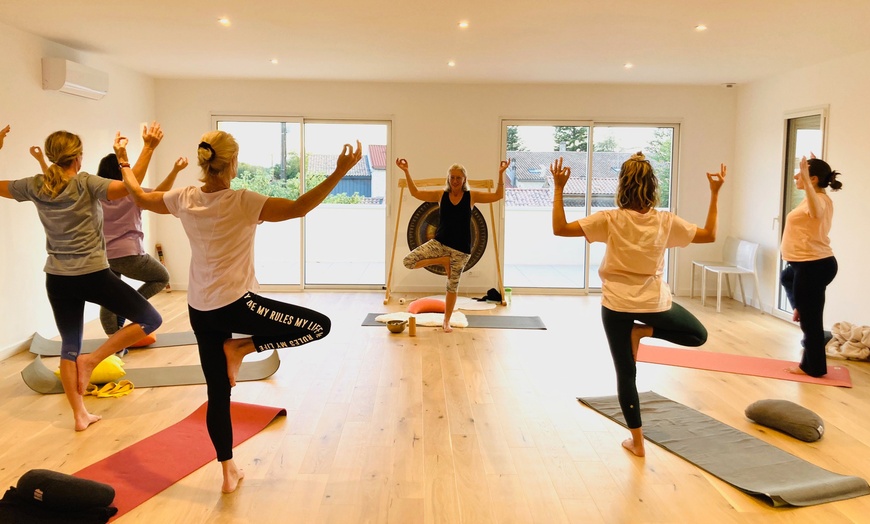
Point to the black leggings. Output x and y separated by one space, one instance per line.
68 294
674 325
272 325
805 284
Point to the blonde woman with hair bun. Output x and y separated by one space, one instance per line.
68 202
220 223
635 299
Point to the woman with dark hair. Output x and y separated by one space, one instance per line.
451 247
67 202
806 248
220 223
635 299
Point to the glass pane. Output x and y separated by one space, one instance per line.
554 262
269 164
345 239
804 137
613 145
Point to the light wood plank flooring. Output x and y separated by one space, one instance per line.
475 426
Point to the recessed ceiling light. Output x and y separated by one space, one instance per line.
700 27
274 60
463 24
451 63
224 22
628 65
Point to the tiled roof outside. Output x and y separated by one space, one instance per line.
535 165
325 163
378 157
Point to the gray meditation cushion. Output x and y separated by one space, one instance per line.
788 417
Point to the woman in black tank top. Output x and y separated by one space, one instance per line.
451 246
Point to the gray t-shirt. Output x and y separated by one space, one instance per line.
73 222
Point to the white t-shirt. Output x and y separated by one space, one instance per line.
220 227
631 272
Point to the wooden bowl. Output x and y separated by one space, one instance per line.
396 326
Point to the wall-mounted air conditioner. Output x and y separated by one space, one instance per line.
59 74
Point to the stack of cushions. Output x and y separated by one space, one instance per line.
426 305
788 417
44 496
109 370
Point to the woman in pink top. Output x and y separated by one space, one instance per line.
636 301
811 263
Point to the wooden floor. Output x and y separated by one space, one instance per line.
475 426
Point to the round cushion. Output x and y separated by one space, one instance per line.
426 305
788 417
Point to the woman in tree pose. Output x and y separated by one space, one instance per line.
635 300
68 204
220 224
451 247
811 263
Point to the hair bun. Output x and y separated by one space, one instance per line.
209 148
638 157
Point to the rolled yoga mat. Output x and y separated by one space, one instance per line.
51 348
144 469
739 364
42 380
747 463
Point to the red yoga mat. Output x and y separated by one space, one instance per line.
739 364
149 466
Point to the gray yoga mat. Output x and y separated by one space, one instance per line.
42 380
482 321
747 463
51 348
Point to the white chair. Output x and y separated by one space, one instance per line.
746 264
729 258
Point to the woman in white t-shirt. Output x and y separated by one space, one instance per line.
220 224
811 264
636 301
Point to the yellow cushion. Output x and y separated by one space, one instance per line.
109 370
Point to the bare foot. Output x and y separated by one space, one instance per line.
638 332
447 327
796 316
795 370
84 368
82 422
635 449
232 476
235 350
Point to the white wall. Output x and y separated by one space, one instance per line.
435 125
34 114
758 171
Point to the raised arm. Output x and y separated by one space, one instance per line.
169 181
278 209
561 227
425 196
484 197
4 184
151 136
708 234
152 201
812 197
36 152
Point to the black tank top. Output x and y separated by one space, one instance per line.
454 226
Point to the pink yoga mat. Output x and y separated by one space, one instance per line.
739 364
149 466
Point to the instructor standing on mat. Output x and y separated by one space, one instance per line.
451 247
635 300
220 223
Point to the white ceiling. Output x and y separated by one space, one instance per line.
411 40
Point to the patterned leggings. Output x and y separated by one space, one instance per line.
434 249
272 324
